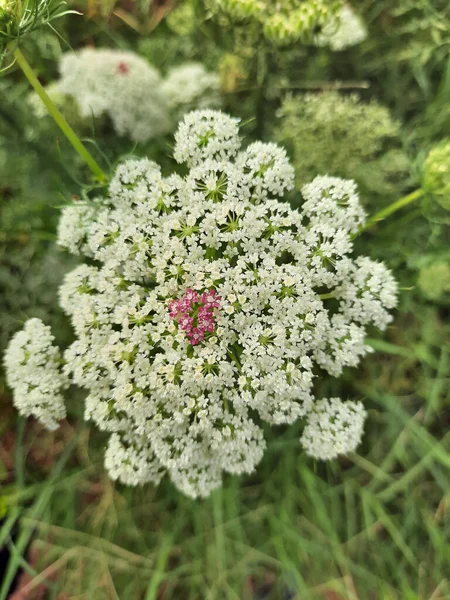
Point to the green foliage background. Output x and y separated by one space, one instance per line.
372 526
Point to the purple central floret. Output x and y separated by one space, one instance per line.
194 313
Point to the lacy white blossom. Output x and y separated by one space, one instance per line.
333 428
208 306
122 85
367 291
73 225
119 84
342 31
33 372
190 86
333 200
132 462
206 135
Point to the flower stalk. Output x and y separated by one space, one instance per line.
393 208
58 117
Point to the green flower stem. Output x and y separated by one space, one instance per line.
392 208
58 117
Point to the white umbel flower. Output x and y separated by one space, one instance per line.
131 461
206 135
343 31
333 200
73 224
122 85
190 86
267 169
118 84
333 428
33 372
208 304
368 291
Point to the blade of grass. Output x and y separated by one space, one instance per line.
27 530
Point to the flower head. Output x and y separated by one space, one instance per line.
119 84
336 134
33 372
333 428
343 30
206 135
204 309
132 461
124 87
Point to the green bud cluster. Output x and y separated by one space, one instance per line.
282 21
434 279
436 173
182 20
329 133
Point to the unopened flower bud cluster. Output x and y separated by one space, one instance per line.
331 132
282 21
273 293
436 173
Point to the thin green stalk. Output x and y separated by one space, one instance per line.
392 208
58 117
262 80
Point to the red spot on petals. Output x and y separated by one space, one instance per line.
123 68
